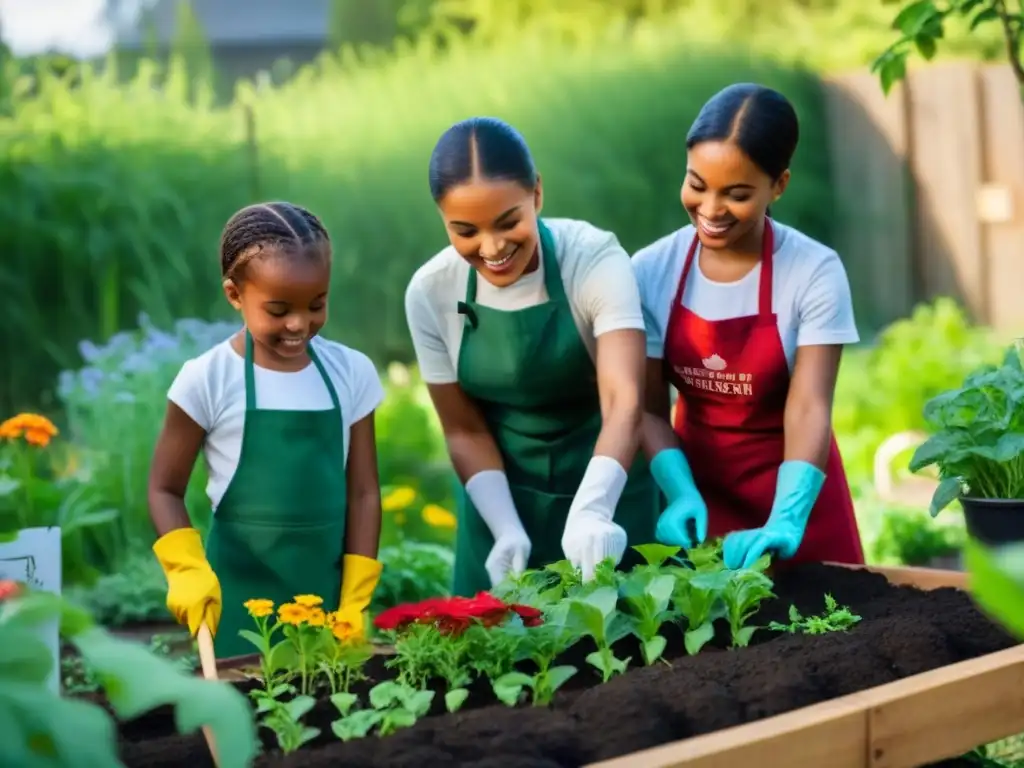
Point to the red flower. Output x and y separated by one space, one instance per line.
454 615
531 616
9 589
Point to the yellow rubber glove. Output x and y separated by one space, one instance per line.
359 578
193 591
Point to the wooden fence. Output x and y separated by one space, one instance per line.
930 189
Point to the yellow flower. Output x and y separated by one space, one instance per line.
438 516
398 499
259 607
317 617
309 601
292 613
36 430
343 631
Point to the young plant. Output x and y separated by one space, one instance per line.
542 645
698 597
393 706
655 555
596 615
284 718
648 595
835 619
978 436
742 596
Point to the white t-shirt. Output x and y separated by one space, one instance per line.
596 275
810 291
211 390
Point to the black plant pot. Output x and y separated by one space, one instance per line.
994 521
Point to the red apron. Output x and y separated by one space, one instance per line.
733 379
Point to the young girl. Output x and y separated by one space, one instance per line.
746 318
285 422
530 338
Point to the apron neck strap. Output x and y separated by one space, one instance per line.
552 278
250 374
764 288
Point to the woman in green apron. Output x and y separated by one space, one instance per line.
284 419
529 335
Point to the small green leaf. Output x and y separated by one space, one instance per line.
656 554
913 17
455 698
997 582
893 70
695 639
653 648
256 639
298 707
925 45
986 14
557 676
743 636
945 494
344 702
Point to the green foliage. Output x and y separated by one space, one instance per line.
40 727
116 193
882 390
978 444
997 582
922 24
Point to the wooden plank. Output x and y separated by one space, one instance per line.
924 718
1003 130
946 712
832 733
945 158
873 191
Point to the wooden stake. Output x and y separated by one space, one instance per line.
208 660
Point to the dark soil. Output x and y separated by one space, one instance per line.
904 631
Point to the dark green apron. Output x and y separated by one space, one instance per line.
279 531
531 375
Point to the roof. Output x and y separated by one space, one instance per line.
232 21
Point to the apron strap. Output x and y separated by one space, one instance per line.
250 375
323 374
764 291
552 279
764 288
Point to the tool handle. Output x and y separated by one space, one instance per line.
208 661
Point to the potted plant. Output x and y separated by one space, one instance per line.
978 447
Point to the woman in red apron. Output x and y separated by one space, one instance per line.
747 319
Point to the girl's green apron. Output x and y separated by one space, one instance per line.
532 377
279 530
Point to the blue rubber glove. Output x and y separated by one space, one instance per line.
685 506
796 490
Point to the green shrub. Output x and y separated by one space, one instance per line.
115 194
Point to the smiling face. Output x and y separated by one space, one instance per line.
283 300
727 195
493 226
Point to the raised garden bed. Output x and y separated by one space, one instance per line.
923 676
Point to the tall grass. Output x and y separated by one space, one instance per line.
114 194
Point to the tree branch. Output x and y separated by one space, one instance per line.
1012 35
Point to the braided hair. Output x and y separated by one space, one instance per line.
258 228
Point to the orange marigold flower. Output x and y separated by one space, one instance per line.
259 607
36 429
309 601
317 617
343 631
292 613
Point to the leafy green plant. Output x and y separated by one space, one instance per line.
648 596
393 706
922 24
742 595
978 443
698 597
596 615
541 645
834 619
284 716
43 726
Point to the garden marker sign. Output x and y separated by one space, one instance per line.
33 558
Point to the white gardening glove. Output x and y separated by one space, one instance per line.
490 493
590 535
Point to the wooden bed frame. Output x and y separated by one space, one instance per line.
920 719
